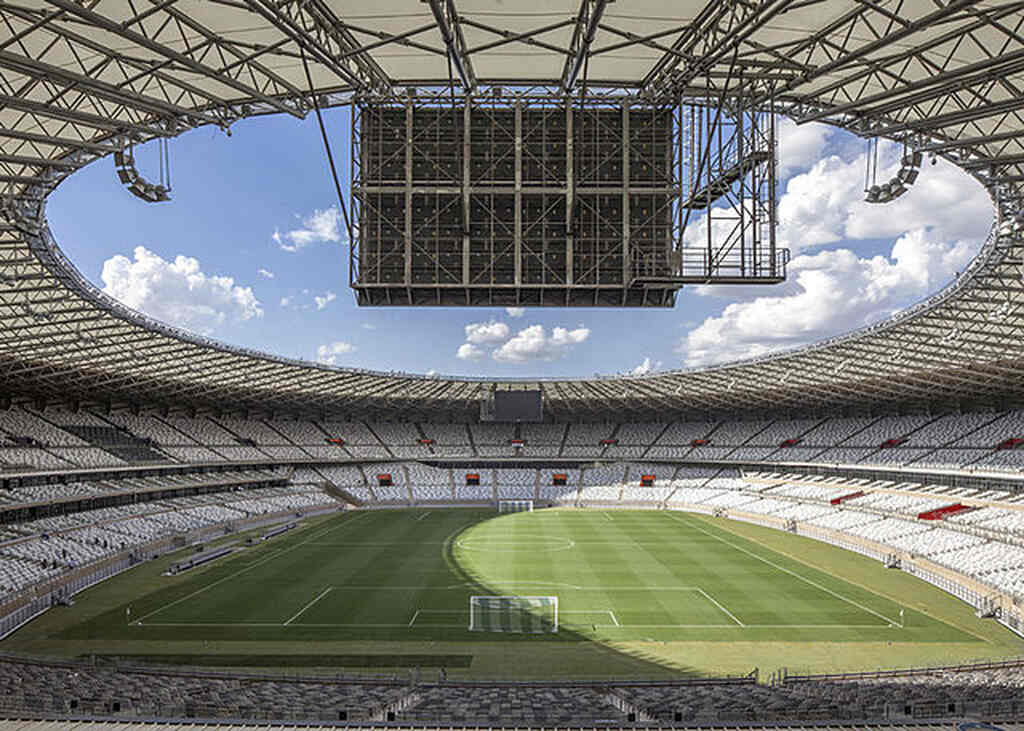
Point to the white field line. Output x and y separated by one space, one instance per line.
719 605
422 516
610 626
469 584
375 544
505 542
319 596
251 566
614 619
413 620
607 517
794 574
356 625
499 582
748 626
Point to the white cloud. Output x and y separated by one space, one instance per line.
829 293
265 273
937 228
647 366
325 299
321 226
515 311
287 301
368 326
826 205
178 292
328 353
533 343
486 332
800 146
468 351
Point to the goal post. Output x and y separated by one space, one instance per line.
515 506
526 614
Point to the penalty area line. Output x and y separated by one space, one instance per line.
302 611
719 605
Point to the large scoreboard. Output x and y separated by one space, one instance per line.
514 201
544 200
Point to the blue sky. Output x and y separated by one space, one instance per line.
251 251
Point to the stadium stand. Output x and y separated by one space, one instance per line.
74 687
516 483
46 547
897 441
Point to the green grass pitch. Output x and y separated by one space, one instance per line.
640 593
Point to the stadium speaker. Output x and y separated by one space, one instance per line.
631 717
910 165
677 716
343 715
391 716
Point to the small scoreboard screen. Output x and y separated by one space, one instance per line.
518 406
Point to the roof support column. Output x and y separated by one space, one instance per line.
586 28
407 236
627 269
570 191
467 150
448 23
518 212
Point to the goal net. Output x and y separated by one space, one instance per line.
515 506
533 614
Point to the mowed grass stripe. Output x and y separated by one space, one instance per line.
621 562
667 566
279 587
761 594
388 576
779 567
275 554
883 607
418 571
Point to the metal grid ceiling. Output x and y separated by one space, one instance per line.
81 80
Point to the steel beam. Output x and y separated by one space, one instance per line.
48 72
115 28
448 25
314 26
587 21
87 119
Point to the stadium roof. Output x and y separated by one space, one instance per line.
82 80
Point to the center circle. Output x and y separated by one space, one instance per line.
546 544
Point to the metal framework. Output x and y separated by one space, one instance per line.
81 81
537 199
